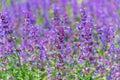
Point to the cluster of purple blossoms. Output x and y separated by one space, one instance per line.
67 39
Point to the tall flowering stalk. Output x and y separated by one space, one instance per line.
85 29
75 8
7 34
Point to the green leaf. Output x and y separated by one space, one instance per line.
36 51
8 2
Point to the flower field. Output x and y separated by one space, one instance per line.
59 39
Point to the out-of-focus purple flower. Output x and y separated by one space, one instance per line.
75 8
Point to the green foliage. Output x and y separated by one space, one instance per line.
23 72
8 2
39 19
18 41
81 76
